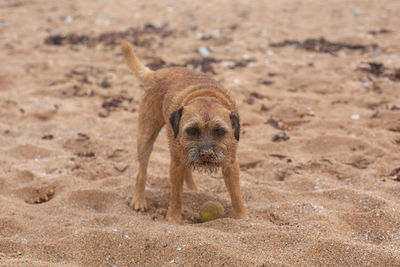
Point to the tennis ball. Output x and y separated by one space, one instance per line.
211 210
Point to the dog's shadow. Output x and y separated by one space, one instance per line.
158 203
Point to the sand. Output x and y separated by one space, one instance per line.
319 148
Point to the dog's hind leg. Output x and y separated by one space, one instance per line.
190 183
150 124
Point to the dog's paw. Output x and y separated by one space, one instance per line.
240 215
138 203
192 187
174 217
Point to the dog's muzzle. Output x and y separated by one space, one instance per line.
207 156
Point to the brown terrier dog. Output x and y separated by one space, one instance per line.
203 130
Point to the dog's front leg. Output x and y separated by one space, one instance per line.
177 171
231 178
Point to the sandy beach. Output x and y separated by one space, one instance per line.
317 84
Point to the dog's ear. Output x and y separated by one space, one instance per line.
175 119
235 124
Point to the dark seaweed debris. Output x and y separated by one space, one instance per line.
381 31
105 83
321 45
242 63
395 107
253 96
379 70
86 154
280 137
205 64
395 174
374 68
395 76
157 63
82 137
48 137
135 35
276 124
265 82
114 104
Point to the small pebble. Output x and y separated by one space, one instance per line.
229 48
179 249
218 20
395 107
355 117
246 56
4 23
69 19
216 33
376 54
356 11
270 52
128 200
192 28
365 85
237 81
204 51
137 15
263 32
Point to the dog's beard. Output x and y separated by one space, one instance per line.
211 166
209 169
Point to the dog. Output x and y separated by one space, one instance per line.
202 125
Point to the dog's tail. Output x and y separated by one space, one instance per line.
137 67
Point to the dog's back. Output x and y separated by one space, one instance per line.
168 83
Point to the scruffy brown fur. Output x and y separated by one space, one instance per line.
203 130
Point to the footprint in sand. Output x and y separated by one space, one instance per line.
347 150
24 176
94 200
9 227
29 151
35 194
41 110
342 199
329 143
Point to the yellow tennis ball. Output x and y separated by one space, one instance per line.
211 210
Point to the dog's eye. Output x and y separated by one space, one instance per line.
219 132
192 131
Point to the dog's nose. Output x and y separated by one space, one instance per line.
206 154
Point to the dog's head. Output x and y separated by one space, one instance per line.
206 130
